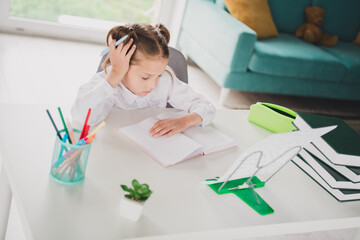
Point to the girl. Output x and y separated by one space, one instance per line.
136 76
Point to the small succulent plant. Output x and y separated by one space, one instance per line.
139 192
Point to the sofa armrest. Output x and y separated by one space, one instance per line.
224 37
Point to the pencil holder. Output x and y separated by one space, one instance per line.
69 161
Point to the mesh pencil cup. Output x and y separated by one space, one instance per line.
69 161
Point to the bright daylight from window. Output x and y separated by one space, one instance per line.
91 13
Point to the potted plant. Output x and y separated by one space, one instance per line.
133 202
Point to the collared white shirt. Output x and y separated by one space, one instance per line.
100 96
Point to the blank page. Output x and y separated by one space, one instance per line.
211 139
166 150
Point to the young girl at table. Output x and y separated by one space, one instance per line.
136 76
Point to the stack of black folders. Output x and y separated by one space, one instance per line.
333 160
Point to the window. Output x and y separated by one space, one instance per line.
90 19
62 11
70 19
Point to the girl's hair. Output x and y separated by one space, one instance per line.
149 40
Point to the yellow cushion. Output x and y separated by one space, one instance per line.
255 14
357 39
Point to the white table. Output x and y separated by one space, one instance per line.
180 206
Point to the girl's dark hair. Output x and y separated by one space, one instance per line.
149 40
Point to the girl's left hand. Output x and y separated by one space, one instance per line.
170 126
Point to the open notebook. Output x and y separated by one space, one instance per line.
171 150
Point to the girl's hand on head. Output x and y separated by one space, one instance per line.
120 61
171 126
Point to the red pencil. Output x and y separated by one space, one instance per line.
85 123
86 130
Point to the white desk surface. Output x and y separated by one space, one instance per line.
180 206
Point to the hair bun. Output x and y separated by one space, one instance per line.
163 31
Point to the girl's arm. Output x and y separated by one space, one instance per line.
96 94
181 96
120 59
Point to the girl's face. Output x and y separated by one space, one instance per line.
144 75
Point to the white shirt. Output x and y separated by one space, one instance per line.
100 96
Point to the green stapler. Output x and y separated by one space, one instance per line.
272 117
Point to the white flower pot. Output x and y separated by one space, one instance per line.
131 209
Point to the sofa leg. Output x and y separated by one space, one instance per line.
224 92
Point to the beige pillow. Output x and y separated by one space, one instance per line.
255 14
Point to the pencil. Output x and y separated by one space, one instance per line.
106 50
86 130
63 121
85 123
52 121
96 129
70 130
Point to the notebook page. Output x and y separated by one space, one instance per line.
166 150
210 139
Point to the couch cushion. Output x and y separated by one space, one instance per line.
291 57
342 17
288 15
349 54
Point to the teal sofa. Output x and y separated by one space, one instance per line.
230 53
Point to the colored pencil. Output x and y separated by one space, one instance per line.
53 123
96 129
70 130
85 123
63 121
86 130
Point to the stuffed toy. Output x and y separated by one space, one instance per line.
311 31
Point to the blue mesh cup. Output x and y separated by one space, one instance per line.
69 161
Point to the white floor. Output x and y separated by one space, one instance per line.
40 70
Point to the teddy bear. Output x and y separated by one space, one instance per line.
311 31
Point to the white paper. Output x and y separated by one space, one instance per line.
327 176
340 168
208 137
335 192
271 154
171 150
178 147
331 154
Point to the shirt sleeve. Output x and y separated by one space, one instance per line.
95 94
182 96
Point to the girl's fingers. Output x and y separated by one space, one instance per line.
112 45
157 125
156 130
162 132
169 133
127 46
131 52
160 129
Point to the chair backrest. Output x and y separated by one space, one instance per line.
177 62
